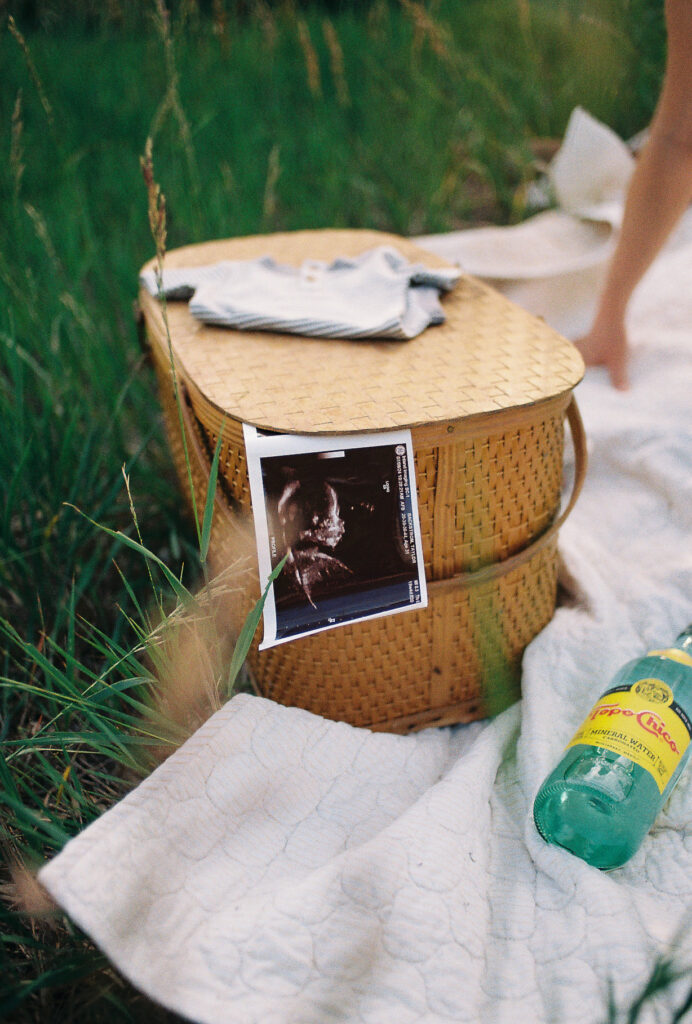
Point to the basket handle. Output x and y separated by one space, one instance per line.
581 459
497 569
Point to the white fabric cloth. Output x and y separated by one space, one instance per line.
283 869
377 294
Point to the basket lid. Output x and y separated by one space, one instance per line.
488 356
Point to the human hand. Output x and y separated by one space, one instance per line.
606 345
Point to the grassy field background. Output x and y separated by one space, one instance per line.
404 116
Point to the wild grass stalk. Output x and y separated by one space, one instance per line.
172 102
35 77
270 203
427 29
262 12
312 64
336 55
220 22
17 166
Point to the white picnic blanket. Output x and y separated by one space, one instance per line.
284 869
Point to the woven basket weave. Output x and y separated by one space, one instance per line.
485 396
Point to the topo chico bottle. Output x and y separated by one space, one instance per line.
623 762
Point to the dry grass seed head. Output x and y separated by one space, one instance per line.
191 649
25 894
336 55
425 27
35 77
269 205
262 12
312 64
156 203
16 148
220 22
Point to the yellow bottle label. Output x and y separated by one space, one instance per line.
641 722
675 654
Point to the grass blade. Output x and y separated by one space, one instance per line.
250 625
209 504
180 590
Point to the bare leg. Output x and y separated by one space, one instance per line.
659 192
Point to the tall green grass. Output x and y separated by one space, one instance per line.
403 116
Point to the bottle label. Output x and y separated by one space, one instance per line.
640 721
675 654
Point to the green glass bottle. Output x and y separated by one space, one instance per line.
622 764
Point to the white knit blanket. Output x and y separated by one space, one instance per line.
284 869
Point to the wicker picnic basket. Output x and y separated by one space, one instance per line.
485 395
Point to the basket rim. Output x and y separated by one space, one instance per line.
489 356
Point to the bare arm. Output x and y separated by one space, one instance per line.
659 192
